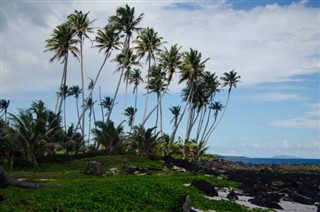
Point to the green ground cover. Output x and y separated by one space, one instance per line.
156 191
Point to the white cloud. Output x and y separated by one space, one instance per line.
310 119
265 44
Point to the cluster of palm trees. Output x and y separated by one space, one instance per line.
135 46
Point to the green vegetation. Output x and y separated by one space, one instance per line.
156 191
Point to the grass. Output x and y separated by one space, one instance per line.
152 192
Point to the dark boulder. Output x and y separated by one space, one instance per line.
232 196
95 168
301 198
265 201
205 187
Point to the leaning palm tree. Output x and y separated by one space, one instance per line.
61 43
81 25
106 103
170 60
135 78
229 79
191 70
4 105
126 23
148 44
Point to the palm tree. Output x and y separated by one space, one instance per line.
229 79
170 60
135 78
191 70
106 103
108 135
61 43
81 25
75 91
107 40
148 44
143 141
4 105
63 93
34 129
130 112
157 84
90 106
124 22
216 107
175 110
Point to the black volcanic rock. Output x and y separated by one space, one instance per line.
232 196
205 187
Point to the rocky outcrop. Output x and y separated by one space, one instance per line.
95 168
206 187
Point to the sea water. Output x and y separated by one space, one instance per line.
272 160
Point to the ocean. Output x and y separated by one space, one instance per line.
272 160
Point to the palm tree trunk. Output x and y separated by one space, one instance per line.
161 129
180 118
203 114
207 124
135 106
147 94
64 112
90 94
115 95
225 108
124 101
82 86
100 100
64 81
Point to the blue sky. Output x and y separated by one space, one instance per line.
273 45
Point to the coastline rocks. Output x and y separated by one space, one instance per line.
232 196
295 196
205 187
265 201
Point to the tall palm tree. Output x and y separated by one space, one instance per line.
170 60
157 84
191 70
4 105
148 44
130 112
63 93
229 79
81 25
135 78
125 22
90 107
61 43
75 91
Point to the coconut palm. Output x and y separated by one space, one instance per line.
106 103
157 84
90 106
135 78
4 105
229 79
148 44
170 60
142 140
34 130
108 135
130 113
216 107
81 25
75 91
61 43
191 70
126 23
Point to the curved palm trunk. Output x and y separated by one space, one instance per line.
100 100
124 101
64 112
115 95
225 108
82 86
173 134
147 95
63 86
90 94
135 106
203 113
161 129
207 136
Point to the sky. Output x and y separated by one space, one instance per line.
273 45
